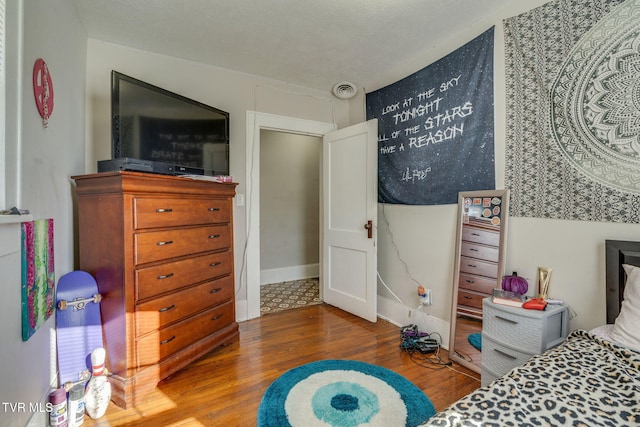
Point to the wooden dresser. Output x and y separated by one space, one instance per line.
478 266
161 250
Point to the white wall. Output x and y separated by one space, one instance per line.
420 236
289 206
424 235
230 91
39 163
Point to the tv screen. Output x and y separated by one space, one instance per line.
151 123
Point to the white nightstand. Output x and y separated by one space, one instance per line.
511 335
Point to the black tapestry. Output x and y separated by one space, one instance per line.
436 128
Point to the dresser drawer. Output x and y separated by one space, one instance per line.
470 299
497 357
521 331
478 267
165 244
161 311
168 212
475 250
480 284
158 279
530 331
157 345
479 235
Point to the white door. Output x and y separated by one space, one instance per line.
350 203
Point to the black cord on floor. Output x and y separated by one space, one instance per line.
422 347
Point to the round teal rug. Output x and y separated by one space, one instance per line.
343 393
476 341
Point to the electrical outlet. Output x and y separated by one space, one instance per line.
426 299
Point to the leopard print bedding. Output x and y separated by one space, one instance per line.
586 381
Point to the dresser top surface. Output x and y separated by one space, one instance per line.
133 182
550 309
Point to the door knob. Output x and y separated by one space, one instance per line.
369 227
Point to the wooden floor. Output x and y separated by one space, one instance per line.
464 327
225 387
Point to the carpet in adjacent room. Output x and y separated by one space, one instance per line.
281 296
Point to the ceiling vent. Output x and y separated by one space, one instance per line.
344 90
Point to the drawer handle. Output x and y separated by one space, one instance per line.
504 354
168 242
216 317
215 291
165 276
507 320
168 340
171 307
467 297
473 250
475 234
164 210
214 236
469 281
472 265
214 209
214 264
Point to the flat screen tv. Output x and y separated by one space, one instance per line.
152 124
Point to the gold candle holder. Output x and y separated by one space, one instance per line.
544 279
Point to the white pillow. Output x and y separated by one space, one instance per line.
626 329
603 331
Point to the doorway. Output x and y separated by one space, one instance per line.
256 122
290 197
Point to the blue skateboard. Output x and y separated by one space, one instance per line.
78 324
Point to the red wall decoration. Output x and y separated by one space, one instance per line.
43 90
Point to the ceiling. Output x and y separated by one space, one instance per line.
313 43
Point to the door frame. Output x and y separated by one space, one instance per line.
255 122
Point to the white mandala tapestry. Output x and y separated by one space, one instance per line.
595 110
573 102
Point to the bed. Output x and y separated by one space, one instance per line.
592 379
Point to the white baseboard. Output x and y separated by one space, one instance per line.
389 310
401 315
39 415
242 310
296 272
40 418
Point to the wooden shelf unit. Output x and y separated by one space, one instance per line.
479 252
161 250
